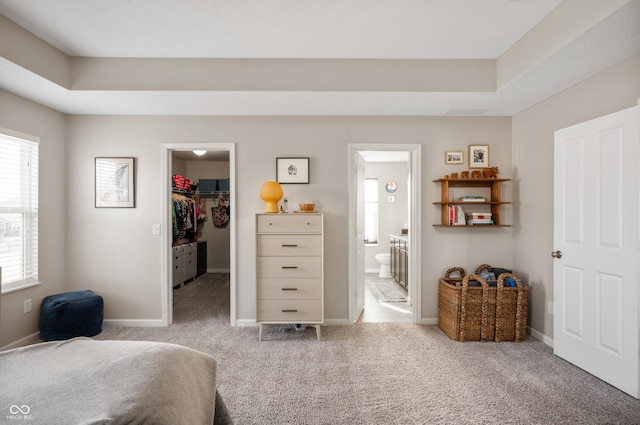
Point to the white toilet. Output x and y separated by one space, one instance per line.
385 264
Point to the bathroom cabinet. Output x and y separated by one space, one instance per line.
290 269
399 250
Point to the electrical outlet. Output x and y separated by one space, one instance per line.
155 229
550 307
27 305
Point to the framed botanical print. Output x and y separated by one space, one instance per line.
115 185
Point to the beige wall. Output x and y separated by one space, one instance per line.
613 90
118 256
113 252
26 117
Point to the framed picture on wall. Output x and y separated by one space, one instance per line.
478 156
115 186
454 157
292 170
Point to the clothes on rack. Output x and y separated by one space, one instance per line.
183 218
201 209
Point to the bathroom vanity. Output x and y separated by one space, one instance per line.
399 250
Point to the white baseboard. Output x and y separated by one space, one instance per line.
542 337
27 340
246 322
142 323
429 321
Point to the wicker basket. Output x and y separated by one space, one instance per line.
511 310
482 313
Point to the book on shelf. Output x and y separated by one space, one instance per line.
470 198
456 216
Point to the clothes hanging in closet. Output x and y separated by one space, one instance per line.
183 218
201 209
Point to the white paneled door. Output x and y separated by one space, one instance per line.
360 247
596 247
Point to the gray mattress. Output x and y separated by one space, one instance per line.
84 381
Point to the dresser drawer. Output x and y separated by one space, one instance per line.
289 223
289 311
289 267
178 271
179 249
289 289
290 245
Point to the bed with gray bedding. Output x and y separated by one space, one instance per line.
84 381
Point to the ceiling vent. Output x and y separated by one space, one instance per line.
467 111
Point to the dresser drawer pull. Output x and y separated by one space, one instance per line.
289 289
289 267
292 245
289 311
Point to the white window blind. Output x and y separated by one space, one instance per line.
371 211
18 212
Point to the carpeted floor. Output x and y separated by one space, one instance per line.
381 373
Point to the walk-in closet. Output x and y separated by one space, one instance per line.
200 216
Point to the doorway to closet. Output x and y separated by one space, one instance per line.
199 217
375 296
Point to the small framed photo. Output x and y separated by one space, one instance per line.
115 186
478 156
454 157
292 170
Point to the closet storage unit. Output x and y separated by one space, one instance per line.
290 269
184 262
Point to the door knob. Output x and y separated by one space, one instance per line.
556 254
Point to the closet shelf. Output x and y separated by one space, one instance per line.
195 192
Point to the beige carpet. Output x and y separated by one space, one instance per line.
377 373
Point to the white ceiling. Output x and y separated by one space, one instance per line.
368 29
309 29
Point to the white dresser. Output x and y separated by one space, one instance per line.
290 271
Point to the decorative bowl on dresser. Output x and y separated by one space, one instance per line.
289 270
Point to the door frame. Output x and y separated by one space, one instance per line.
415 221
166 256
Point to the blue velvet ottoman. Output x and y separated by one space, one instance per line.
71 314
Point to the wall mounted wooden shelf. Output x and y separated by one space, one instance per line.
493 200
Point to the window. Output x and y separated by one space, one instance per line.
18 211
371 211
